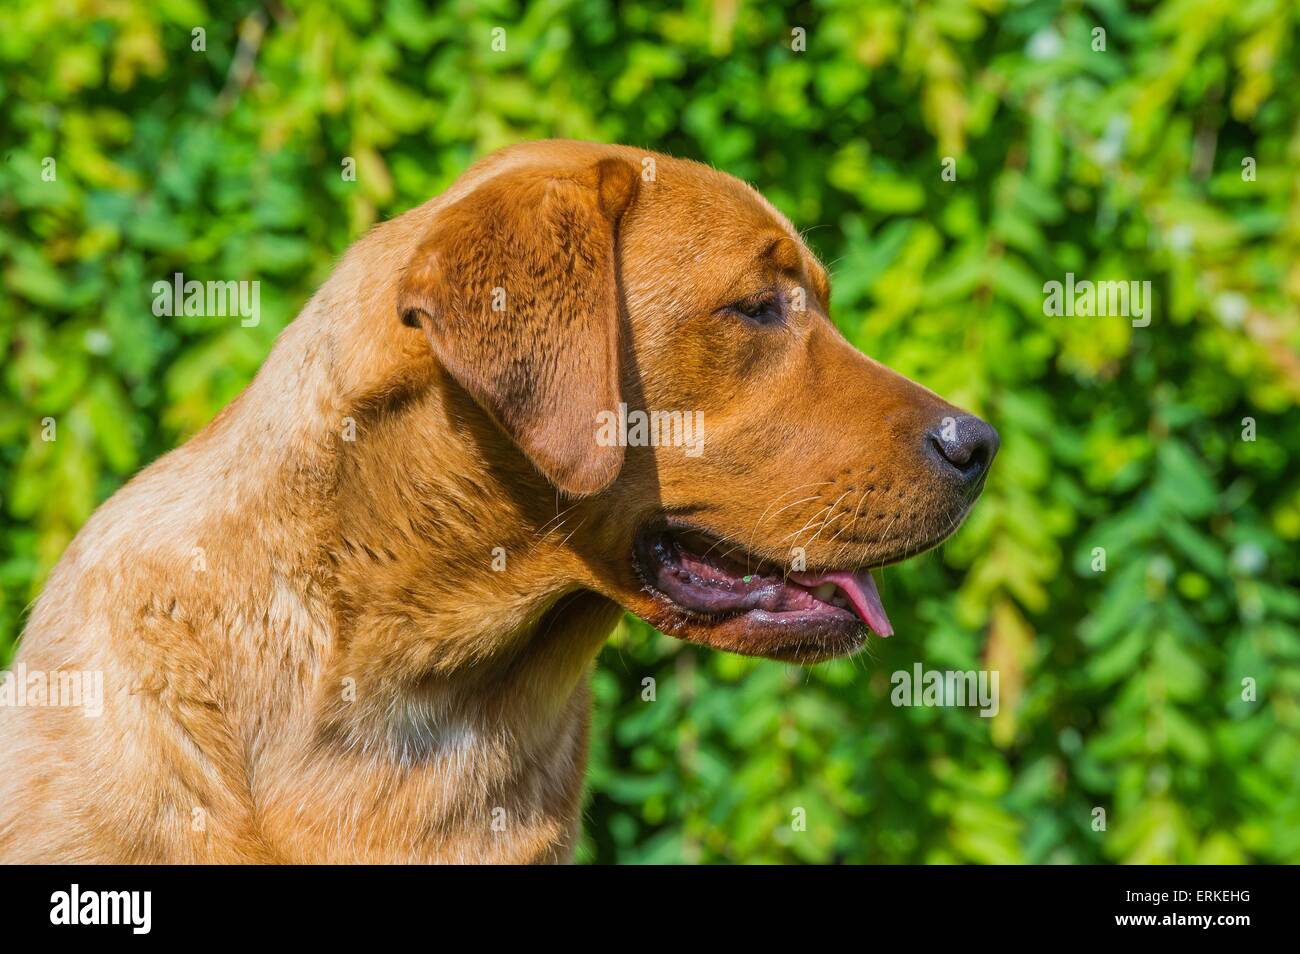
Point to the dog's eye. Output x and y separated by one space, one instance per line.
761 309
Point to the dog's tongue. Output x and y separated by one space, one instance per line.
860 588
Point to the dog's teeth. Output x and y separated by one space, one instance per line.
824 592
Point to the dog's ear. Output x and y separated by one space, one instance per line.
516 287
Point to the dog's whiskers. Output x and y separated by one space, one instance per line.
807 526
856 510
793 490
545 529
827 522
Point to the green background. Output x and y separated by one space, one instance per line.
1121 689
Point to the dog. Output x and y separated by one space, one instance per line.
352 619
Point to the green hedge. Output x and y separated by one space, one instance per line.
1122 689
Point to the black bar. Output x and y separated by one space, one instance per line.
941 903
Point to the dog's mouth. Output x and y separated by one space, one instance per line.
712 581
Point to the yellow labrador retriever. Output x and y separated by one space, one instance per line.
352 619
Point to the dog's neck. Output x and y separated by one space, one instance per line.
458 647
452 593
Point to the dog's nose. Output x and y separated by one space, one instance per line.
964 446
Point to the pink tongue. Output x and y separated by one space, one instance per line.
861 590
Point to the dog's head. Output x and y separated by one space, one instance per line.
654 338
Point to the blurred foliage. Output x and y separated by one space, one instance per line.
1121 689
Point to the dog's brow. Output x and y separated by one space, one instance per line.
784 253
795 259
